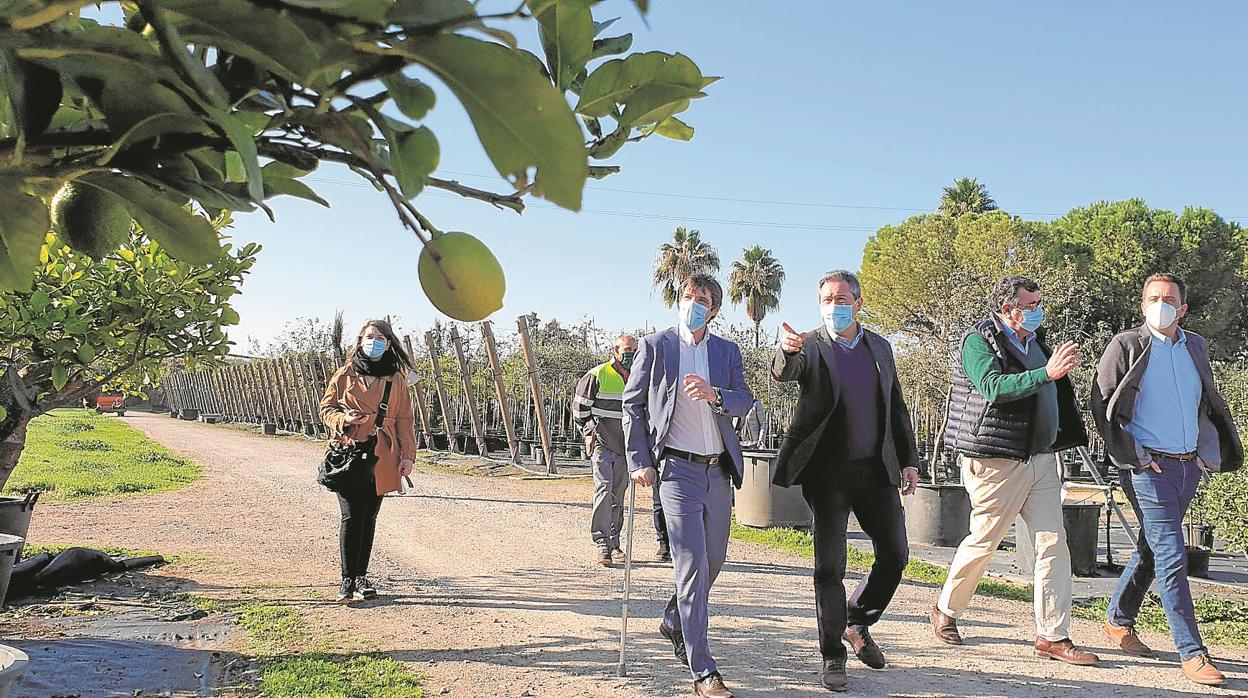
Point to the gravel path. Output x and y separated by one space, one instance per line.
490 589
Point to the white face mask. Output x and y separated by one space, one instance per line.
1160 314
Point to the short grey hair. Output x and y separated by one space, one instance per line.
1006 290
843 275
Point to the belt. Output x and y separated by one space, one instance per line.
1180 457
691 457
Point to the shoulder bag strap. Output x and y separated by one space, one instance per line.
385 403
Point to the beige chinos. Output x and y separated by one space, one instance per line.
1000 489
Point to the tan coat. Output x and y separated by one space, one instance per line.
396 439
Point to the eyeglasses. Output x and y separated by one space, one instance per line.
1032 306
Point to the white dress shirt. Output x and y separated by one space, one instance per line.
693 427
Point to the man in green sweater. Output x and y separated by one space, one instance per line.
1011 410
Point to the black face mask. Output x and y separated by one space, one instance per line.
626 360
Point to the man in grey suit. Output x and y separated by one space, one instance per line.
685 387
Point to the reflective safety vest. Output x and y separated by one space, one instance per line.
597 406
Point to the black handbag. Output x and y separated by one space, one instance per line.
348 468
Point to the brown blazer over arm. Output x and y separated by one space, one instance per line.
396 438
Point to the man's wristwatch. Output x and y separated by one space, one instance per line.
719 398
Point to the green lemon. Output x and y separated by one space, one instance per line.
89 219
476 278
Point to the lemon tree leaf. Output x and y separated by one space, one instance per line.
413 97
521 118
152 127
60 376
262 35
567 32
187 236
24 223
674 128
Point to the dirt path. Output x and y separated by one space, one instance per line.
489 588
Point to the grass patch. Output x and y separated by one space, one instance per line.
802 544
77 454
31 550
325 676
1222 621
295 664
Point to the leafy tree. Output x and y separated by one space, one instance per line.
1223 500
679 259
927 280
755 280
966 195
303 335
86 324
1117 245
226 104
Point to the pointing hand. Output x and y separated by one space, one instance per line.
790 339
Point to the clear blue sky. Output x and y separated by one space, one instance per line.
1052 105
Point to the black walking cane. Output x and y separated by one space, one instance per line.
622 669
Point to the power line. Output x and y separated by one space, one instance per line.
773 202
769 202
650 216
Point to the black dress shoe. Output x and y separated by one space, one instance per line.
664 553
678 642
834 678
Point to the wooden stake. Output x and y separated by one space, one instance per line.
422 410
504 406
466 378
447 426
543 429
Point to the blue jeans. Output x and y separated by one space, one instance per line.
1160 500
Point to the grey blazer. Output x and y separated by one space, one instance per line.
1116 387
814 368
650 397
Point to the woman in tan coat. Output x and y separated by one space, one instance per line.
349 410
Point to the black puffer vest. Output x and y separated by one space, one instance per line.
979 429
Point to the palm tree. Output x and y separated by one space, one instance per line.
679 259
755 280
966 195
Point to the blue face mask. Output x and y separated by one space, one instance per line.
692 315
838 318
373 348
1033 318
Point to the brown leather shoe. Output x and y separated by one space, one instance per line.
946 628
1201 670
1064 651
711 686
604 558
864 646
1127 640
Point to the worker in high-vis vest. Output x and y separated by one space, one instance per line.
597 412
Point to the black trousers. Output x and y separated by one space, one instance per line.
877 505
356 531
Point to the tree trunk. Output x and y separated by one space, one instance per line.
757 325
12 445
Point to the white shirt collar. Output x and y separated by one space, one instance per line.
1178 339
687 337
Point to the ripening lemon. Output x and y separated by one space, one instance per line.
474 272
89 219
